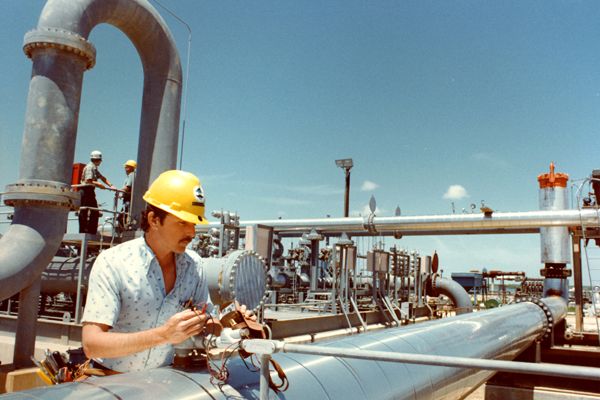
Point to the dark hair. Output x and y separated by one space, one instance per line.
161 214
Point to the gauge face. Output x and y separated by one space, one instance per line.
241 276
250 280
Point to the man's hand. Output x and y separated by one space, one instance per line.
183 325
244 310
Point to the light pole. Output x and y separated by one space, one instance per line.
346 164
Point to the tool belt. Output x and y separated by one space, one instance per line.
55 369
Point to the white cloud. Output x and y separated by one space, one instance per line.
456 192
368 186
285 201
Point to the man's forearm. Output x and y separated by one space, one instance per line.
117 344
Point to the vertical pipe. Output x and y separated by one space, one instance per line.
553 196
418 281
334 282
27 325
82 264
577 280
314 259
264 376
52 115
347 194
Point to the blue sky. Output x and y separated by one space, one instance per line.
422 95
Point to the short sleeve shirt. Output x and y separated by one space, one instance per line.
127 292
129 180
128 183
90 171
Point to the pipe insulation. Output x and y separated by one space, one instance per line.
61 53
497 334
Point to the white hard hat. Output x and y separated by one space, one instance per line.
96 155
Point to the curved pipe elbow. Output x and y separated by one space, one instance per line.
161 101
137 19
28 246
40 210
456 293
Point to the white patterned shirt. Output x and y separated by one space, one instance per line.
127 292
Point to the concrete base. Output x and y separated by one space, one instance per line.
493 392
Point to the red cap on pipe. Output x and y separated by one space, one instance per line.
553 179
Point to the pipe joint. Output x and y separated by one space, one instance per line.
61 39
549 322
434 278
41 193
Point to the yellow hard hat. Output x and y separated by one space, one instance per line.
130 163
179 193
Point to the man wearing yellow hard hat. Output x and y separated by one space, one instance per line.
124 217
138 291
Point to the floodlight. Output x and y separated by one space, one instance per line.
344 163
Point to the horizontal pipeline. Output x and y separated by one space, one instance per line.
452 224
559 370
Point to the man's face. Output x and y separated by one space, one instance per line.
97 162
128 169
175 233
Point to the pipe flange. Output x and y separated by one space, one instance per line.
41 193
244 278
549 322
45 38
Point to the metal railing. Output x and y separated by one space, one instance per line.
265 348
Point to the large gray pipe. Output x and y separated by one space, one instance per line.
452 224
455 292
61 53
500 334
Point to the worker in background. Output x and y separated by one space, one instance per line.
90 178
139 291
124 216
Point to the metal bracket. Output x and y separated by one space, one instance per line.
368 223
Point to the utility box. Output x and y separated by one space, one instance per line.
378 261
468 280
76 174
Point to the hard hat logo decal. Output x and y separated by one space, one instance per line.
199 194
179 193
